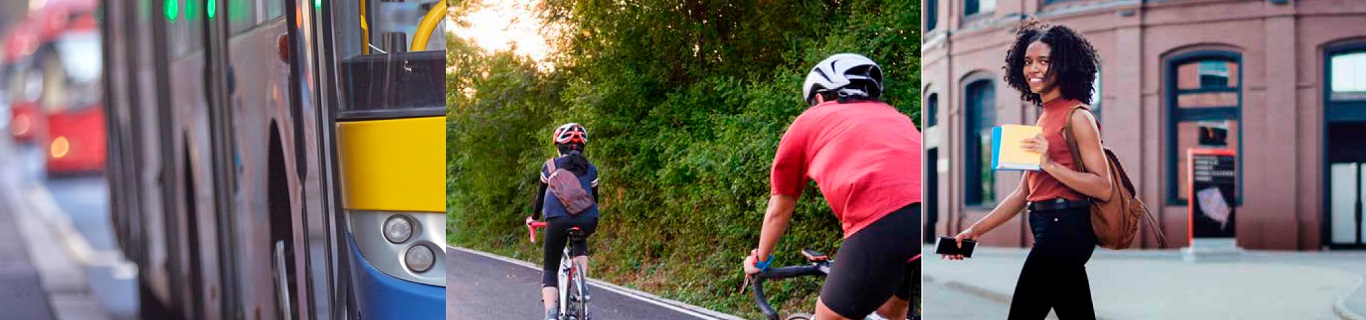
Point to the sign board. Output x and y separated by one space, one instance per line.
1213 192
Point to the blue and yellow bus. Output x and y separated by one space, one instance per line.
278 159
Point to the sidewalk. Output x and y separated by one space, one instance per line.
21 291
1151 284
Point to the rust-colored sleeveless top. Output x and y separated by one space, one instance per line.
1043 186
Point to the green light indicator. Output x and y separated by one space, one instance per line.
212 8
190 11
172 9
317 4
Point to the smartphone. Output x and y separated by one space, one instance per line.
946 245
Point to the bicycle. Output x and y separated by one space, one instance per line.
573 293
819 267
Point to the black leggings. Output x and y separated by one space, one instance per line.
556 235
1054 274
872 265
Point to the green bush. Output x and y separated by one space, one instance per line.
684 102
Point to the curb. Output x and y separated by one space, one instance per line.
679 306
1340 306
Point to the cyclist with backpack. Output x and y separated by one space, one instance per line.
865 157
565 200
1054 67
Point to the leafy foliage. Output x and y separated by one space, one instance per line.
685 101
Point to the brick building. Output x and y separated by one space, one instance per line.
1286 78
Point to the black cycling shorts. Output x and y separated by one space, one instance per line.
556 236
872 265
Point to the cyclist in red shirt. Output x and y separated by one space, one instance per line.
865 157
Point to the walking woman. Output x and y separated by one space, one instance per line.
569 142
1054 67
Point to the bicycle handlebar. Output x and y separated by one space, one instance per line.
531 226
778 274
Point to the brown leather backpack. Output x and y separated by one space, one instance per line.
566 187
1114 220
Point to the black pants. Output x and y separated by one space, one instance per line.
556 235
872 265
1054 274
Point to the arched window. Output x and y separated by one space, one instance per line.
1344 151
931 110
1204 94
980 106
931 14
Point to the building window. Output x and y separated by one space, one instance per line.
931 110
1346 89
1347 86
972 7
980 106
1096 96
1204 92
931 14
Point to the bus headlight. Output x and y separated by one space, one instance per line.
407 245
398 229
419 258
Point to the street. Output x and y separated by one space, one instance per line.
479 286
59 258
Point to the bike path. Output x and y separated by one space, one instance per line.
479 286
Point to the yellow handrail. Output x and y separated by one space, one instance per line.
428 25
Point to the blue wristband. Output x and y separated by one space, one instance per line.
763 265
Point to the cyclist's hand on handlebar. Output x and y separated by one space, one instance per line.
753 257
968 234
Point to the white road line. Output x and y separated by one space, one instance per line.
679 306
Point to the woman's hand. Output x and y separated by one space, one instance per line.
968 234
753 257
1038 145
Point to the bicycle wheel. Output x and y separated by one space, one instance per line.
580 285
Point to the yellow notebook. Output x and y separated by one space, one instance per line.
1006 151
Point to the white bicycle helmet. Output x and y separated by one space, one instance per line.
571 133
846 75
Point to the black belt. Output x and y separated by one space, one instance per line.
1058 204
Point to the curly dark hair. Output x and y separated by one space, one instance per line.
1073 60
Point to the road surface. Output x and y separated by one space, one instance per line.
480 287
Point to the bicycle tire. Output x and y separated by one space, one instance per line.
580 286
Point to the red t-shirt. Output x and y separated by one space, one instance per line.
864 156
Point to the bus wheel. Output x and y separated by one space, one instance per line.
282 278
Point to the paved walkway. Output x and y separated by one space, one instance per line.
1159 285
21 290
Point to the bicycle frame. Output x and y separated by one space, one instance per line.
819 267
573 286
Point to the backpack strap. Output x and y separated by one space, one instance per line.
1072 140
549 170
